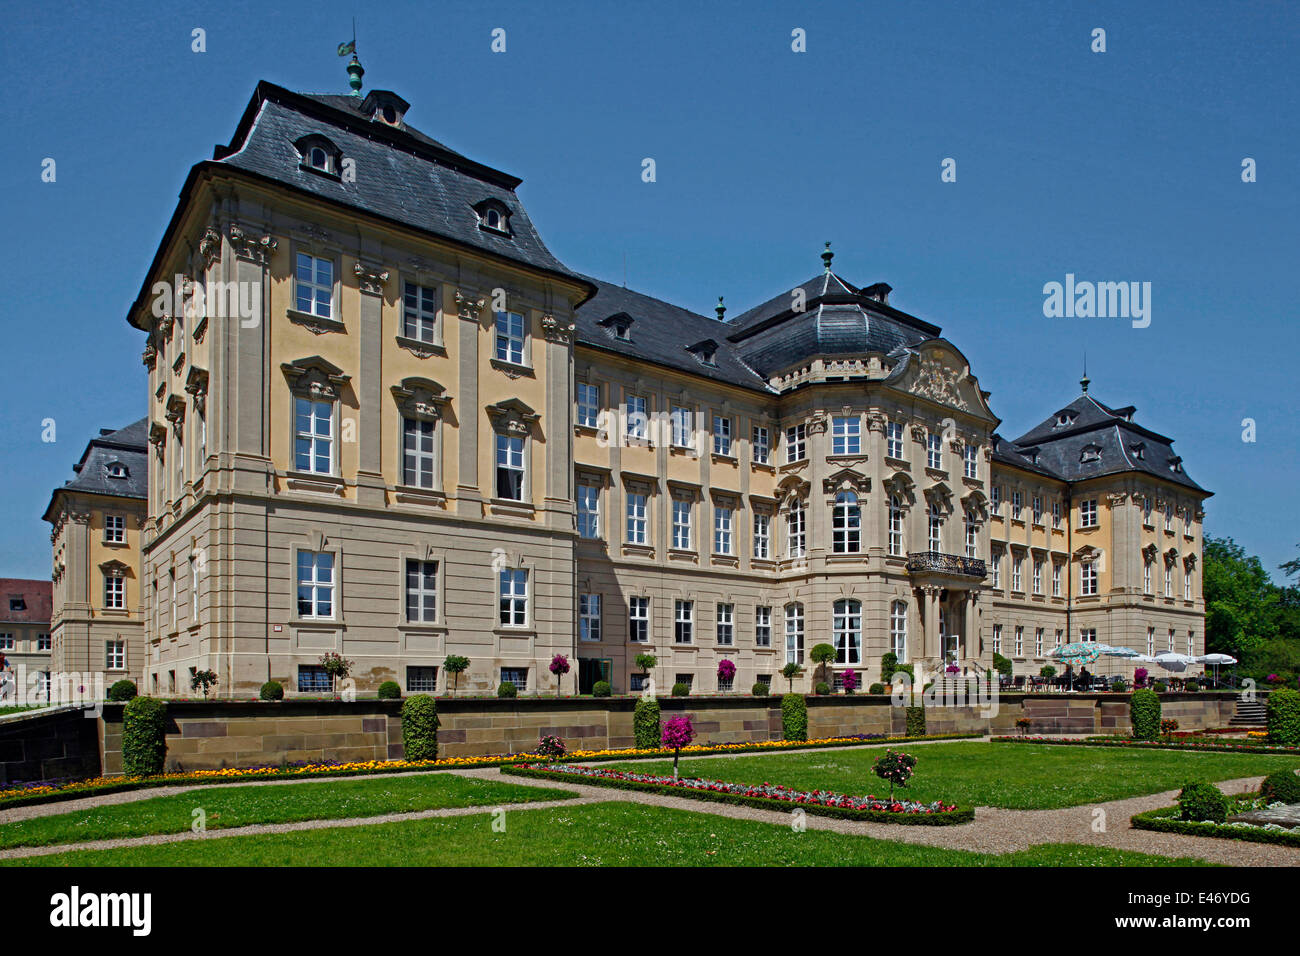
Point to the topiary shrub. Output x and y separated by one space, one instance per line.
681 689
888 664
794 717
601 689
1284 717
876 689
122 690
420 727
271 690
1002 665
390 690
645 723
507 688
1118 685
759 689
1144 713
1281 786
915 721
1160 687
823 688
1202 802
144 737
1191 687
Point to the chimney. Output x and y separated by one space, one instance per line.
879 292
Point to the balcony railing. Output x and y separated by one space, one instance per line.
936 562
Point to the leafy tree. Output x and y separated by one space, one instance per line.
823 655
204 679
790 672
455 665
1241 603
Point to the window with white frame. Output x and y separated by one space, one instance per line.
510 467
995 501
8 642
762 442
1038 575
314 286
517 676
510 336
762 535
682 509
1187 522
970 460
194 589
762 626
1088 513
1151 641
1038 642
846 524
1169 517
175 602
115 655
1187 583
722 436
895 526
795 530
997 638
846 631
1036 507
588 401
313 435
934 528
42 642
898 630
418 436
934 450
419 312
1056 512
794 633
588 511
636 420
683 426
1088 578
114 591
1056 579
636 518
512 591
1060 636
1169 579
725 618
846 435
115 529
972 535
1169 645
683 622
723 539
796 443
316 584
1017 503
995 566
1020 641
1016 562
421 591
894 440
1191 643
589 617
638 620
1147 506
1146 577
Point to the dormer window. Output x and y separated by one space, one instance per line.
619 326
1176 465
318 155
704 351
1090 453
1139 451
493 216
115 469
385 106
1064 419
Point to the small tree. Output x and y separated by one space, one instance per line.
551 746
896 767
455 665
203 679
559 667
678 733
850 681
823 655
1048 671
337 667
790 672
726 672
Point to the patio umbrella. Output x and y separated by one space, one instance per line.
1214 660
1173 661
1121 652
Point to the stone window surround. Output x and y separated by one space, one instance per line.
318 543
319 249
514 419
315 379
421 399
416 552
419 347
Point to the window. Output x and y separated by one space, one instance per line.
421 680
934 450
722 537
726 624
1038 642
114 529
315 584
588 511
846 631
636 518
683 622
1017 562
1169 518
997 638
1056 579
846 524
512 588
687 679
588 404
1088 578
972 539
638 620
1017 503
422 591
1146 509
794 530
846 435
970 460
681 524
419 312
510 467
1169 579
194 589
510 338
7 642
1146 577
996 501
762 536
317 158
1170 645
1056 512
517 676
1038 575
1187 522
794 633
934 535
115 655
1020 641
42 642
898 630
796 443
683 423
762 445
1036 507
1088 513
1060 635
762 626
174 603
1187 583
313 436
636 421
1191 643
114 592
115 469
995 559
417 452
722 436
895 526
1089 635
894 440
589 617
314 286
312 679
1151 641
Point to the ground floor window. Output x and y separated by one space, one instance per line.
764 679
421 680
517 676
638 682
591 670
115 655
312 679
687 679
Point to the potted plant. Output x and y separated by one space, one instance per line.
455 665
1022 725
726 673
896 767
204 679
559 667
337 667
850 681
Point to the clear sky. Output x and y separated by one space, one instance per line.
1117 166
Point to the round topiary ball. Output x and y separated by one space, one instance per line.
601 689
823 688
390 690
1203 802
271 690
1281 786
122 690
681 690
759 689
876 688
507 689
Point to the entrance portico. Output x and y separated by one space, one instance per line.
947 587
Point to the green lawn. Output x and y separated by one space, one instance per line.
603 834
1013 776
234 806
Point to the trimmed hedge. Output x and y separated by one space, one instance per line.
1144 713
390 690
601 689
1281 786
960 815
1162 744
681 690
1202 802
759 689
122 690
915 721
420 727
794 717
144 737
645 724
823 688
1284 717
271 690
1166 820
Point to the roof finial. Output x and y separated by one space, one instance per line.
355 71
827 256
1085 380
721 310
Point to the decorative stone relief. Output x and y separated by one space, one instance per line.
938 382
469 305
371 279
252 248
557 332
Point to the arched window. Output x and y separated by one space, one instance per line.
895 525
846 524
794 633
317 158
847 631
898 630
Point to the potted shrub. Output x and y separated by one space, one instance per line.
337 667
203 679
850 681
455 665
1140 678
896 767
559 667
726 673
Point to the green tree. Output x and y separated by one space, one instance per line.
1241 603
455 665
823 655
790 672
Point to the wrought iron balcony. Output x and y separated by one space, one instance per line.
936 562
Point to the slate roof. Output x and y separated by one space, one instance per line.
129 446
37 596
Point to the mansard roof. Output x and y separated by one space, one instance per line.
127 447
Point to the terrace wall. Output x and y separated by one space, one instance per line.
58 744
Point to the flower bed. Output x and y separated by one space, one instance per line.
1245 747
766 796
1166 820
22 795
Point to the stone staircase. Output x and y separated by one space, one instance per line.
1249 713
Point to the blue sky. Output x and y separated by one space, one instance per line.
1115 166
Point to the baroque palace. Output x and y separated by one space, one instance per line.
384 421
